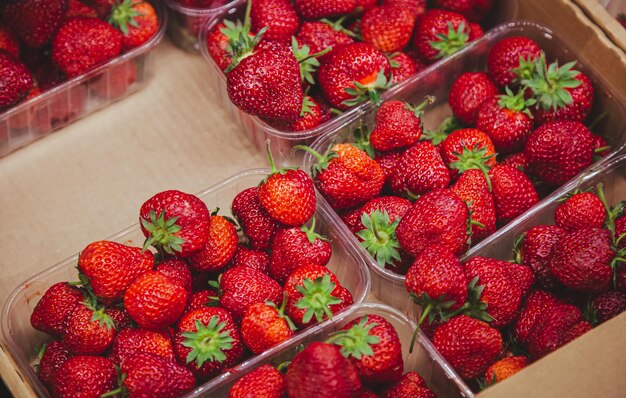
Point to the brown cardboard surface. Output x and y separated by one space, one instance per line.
605 19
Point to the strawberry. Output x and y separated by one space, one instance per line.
207 342
34 21
505 368
398 125
576 331
294 247
264 325
581 210
373 346
321 371
419 170
473 188
378 237
218 42
469 345
103 7
9 42
201 299
534 251
473 10
52 355
111 267
388 29
287 195
319 35
512 59
54 307
316 9
394 206
312 115
129 342
410 385
178 273
468 149
513 192
550 327
313 293
607 305
82 44
468 92
148 375
536 303
439 216
175 222
257 225
88 329
346 176
600 147
440 33
387 162
506 120
136 19
354 73
154 301
76 8
417 7
278 16
403 67
257 259
220 246
263 382
243 286
84 376
516 160
17 81
581 260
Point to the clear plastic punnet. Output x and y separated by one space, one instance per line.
21 339
436 81
283 141
81 95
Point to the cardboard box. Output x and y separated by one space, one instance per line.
603 14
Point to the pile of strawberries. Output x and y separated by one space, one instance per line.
44 43
158 319
516 134
489 318
363 359
294 64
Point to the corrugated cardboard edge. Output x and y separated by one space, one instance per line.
12 376
605 21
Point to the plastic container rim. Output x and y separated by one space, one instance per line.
197 11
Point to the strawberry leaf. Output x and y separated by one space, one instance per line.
208 342
379 237
316 298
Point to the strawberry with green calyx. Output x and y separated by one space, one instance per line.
319 35
241 41
440 33
467 94
379 237
220 247
265 325
394 206
468 149
580 210
51 355
512 59
447 126
308 62
89 329
136 19
403 66
311 116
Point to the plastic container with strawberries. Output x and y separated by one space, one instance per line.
437 81
283 139
81 95
21 337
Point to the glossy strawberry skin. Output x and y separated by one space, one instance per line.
258 226
292 249
262 327
469 345
55 354
388 29
85 376
508 129
278 15
257 259
244 286
315 116
430 24
149 375
217 46
129 342
396 127
548 332
439 216
403 67
147 24
471 139
17 81
220 247
417 7
419 170
467 94
472 188
505 55
289 198
536 303
608 305
505 368
177 271
535 253
35 21
264 381
513 192
317 9
410 385
202 299
395 207
54 307
9 42
578 110
83 336
319 35
582 210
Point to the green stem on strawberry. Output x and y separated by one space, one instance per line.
121 390
240 44
447 126
124 14
308 62
316 298
370 91
357 341
451 42
162 233
419 109
208 342
322 160
517 251
379 237
516 102
311 235
338 27
473 158
425 312
281 311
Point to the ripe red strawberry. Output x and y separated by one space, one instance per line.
294 247
354 73
576 331
83 43
242 286
600 147
202 298
76 8
511 59
378 237
505 368
17 81
314 293
85 376
394 206
535 250
388 29
469 345
175 222
419 170
34 21
316 9
440 33
319 35
264 325
257 259
51 356
549 330
278 16
88 329
217 44
410 385
177 271
136 19
473 10
103 7
53 307
417 7
287 195
536 303
513 192
516 160
154 301
220 246
111 267
387 162
321 364
398 125
581 260
312 115
473 188
439 216
608 305
373 346
346 176
468 92
468 149
403 67
257 225
264 381
207 341
581 210
129 342
506 120
9 42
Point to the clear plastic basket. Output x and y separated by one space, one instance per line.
82 95
437 80
21 338
283 141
